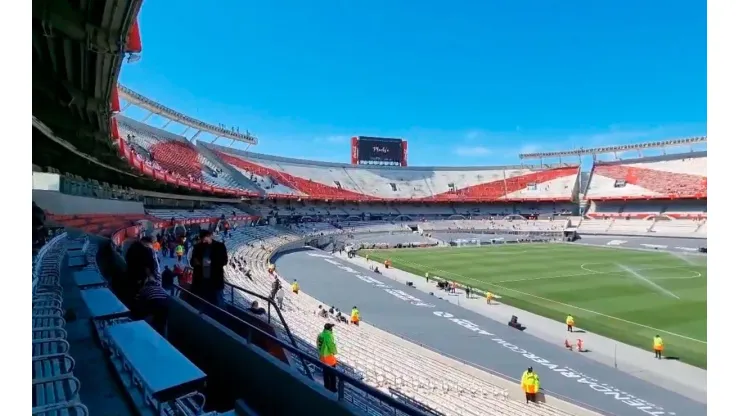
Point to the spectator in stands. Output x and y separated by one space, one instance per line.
151 304
208 261
140 265
327 351
168 278
39 232
279 298
322 312
256 309
276 286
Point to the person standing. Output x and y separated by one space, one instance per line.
276 286
570 322
658 347
327 351
354 317
208 260
294 286
530 385
279 296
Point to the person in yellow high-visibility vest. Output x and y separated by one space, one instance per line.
489 297
427 276
530 385
327 352
294 286
570 322
179 251
355 316
658 347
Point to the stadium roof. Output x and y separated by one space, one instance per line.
615 149
139 100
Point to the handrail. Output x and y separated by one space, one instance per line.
280 315
36 267
341 377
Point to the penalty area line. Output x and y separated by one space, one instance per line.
553 301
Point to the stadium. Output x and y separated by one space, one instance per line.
438 260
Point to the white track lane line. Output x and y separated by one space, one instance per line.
554 301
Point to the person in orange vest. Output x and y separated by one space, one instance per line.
387 263
530 385
327 351
658 347
579 343
570 322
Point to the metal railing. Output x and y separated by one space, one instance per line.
38 259
270 305
349 390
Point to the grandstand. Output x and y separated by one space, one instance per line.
103 179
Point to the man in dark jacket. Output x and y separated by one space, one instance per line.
208 260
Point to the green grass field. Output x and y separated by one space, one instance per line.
627 295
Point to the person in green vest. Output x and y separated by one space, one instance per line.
327 350
179 250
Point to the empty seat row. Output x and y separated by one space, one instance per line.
55 388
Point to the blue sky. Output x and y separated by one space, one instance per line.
474 83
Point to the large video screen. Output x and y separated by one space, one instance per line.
375 149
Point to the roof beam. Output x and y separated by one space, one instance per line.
612 149
61 16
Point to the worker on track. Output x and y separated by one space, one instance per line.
658 347
489 297
570 322
426 275
530 385
327 351
355 316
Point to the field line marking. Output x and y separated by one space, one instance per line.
557 302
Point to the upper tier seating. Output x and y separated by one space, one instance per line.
380 359
173 154
674 176
283 176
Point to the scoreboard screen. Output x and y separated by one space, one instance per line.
376 149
